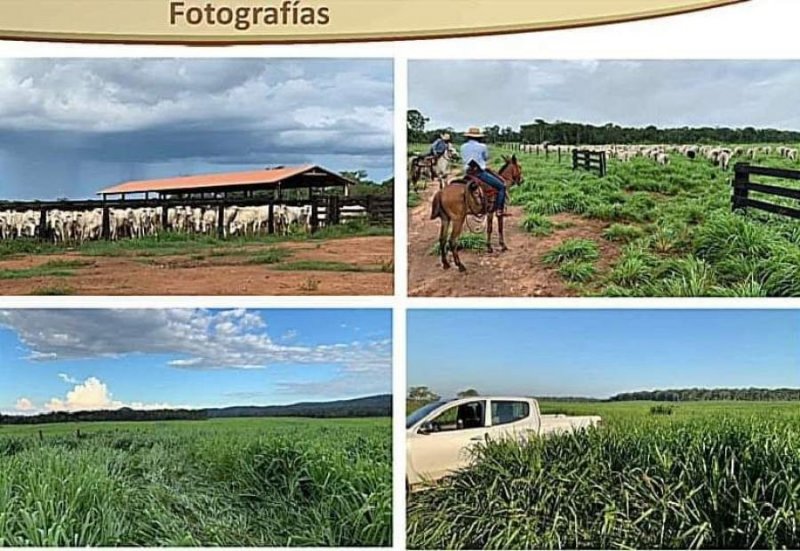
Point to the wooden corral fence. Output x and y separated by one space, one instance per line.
324 209
591 161
742 186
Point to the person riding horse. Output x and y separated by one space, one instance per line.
440 146
475 156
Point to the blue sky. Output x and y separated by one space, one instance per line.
665 93
106 359
599 353
71 126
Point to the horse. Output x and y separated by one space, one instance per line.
466 196
437 168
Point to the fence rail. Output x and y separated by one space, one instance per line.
591 161
743 186
330 209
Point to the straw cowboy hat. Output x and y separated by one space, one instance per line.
445 136
474 132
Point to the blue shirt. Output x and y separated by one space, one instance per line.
439 147
474 151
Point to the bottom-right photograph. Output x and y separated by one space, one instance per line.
603 429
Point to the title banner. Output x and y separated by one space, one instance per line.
286 21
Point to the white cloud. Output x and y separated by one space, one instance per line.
92 395
24 405
67 379
735 93
189 339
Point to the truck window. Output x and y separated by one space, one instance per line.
465 416
504 412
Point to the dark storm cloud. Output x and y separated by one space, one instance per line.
70 127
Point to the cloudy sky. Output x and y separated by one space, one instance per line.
599 353
106 359
635 93
69 127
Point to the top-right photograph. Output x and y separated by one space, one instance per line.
604 178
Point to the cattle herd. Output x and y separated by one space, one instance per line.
87 225
661 154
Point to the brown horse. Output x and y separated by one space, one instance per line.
469 196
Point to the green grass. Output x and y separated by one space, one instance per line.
572 250
326 266
270 256
54 268
537 224
467 241
178 244
653 476
232 482
54 290
679 235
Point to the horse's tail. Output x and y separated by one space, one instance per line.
436 206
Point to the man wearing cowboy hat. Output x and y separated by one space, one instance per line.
441 145
476 157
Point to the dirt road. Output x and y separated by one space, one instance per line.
347 266
518 272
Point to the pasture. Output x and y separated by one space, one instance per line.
659 224
232 482
352 258
688 475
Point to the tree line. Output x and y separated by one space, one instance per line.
573 133
710 394
420 395
370 406
124 414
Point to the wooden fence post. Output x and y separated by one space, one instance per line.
165 217
221 220
271 222
574 159
741 181
106 222
314 214
43 224
333 217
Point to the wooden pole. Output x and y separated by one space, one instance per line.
271 221
741 182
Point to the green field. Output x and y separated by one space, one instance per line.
673 228
653 476
231 482
177 243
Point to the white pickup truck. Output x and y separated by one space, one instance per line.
439 434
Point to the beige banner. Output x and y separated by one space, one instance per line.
286 21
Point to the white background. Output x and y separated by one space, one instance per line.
753 30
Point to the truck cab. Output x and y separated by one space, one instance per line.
439 436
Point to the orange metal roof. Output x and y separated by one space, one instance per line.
252 177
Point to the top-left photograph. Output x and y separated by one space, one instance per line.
236 176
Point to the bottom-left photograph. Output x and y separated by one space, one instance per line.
195 427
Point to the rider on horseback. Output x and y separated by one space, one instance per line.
475 155
440 146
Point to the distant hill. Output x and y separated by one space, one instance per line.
370 406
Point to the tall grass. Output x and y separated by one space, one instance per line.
680 236
724 479
232 483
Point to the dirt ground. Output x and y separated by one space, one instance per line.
370 272
517 272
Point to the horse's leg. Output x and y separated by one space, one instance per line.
500 224
443 229
458 226
489 224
